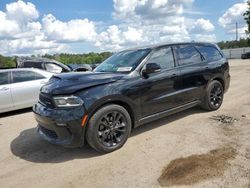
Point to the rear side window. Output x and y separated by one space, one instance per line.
24 76
51 67
187 54
163 57
30 64
210 53
4 78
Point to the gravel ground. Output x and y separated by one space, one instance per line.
189 149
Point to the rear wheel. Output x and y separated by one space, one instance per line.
214 96
109 128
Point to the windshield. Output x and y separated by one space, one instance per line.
123 62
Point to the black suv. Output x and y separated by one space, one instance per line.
129 89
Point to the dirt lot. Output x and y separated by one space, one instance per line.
191 149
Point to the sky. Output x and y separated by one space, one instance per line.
75 26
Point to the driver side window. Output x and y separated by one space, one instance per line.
163 57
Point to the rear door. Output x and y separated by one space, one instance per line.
190 62
25 87
5 94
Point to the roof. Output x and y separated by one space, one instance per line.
158 45
25 69
35 59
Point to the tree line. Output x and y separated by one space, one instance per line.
234 44
89 58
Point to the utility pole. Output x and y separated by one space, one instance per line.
236 31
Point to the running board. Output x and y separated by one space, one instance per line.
168 112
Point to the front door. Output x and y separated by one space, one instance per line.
160 89
5 92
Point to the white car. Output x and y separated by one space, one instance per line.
20 88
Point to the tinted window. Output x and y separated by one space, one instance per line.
163 57
33 64
24 76
4 78
210 53
187 54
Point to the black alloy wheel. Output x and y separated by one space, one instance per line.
112 128
108 128
214 95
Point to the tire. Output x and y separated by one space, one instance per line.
108 128
214 95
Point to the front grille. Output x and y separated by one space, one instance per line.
46 100
49 133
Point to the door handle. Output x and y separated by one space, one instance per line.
174 75
4 89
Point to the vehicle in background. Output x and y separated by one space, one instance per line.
44 64
52 65
129 89
245 55
94 65
80 67
19 88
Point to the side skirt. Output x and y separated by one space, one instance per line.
167 113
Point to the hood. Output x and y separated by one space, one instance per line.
69 83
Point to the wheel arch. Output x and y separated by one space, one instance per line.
220 80
129 107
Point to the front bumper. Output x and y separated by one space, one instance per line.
60 126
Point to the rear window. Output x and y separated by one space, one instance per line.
4 78
210 53
30 64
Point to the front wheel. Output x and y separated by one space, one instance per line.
214 96
108 128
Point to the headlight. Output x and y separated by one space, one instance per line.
68 101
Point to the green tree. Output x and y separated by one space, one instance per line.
247 18
7 62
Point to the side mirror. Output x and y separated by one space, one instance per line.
150 68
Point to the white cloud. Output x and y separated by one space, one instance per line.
24 31
115 38
176 31
205 38
203 25
231 16
74 30
21 11
34 46
133 35
161 20
21 32
148 9
7 27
